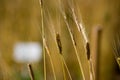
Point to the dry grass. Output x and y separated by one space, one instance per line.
85 74
67 52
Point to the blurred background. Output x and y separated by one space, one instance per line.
20 23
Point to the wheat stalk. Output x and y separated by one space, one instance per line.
66 68
60 51
48 52
64 74
30 72
95 49
58 40
43 35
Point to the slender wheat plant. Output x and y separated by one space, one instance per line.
58 40
96 33
43 35
51 61
66 68
31 72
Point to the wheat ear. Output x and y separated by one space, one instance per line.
73 41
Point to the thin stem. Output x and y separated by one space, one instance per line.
96 39
64 74
76 52
30 72
43 35
98 51
44 66
92 74
59 45
66 67
48 52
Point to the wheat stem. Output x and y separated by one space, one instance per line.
45 73
63 61
96 39
92 74
30 71
64 74
74 45
66 67
48 52
59 45
43 35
